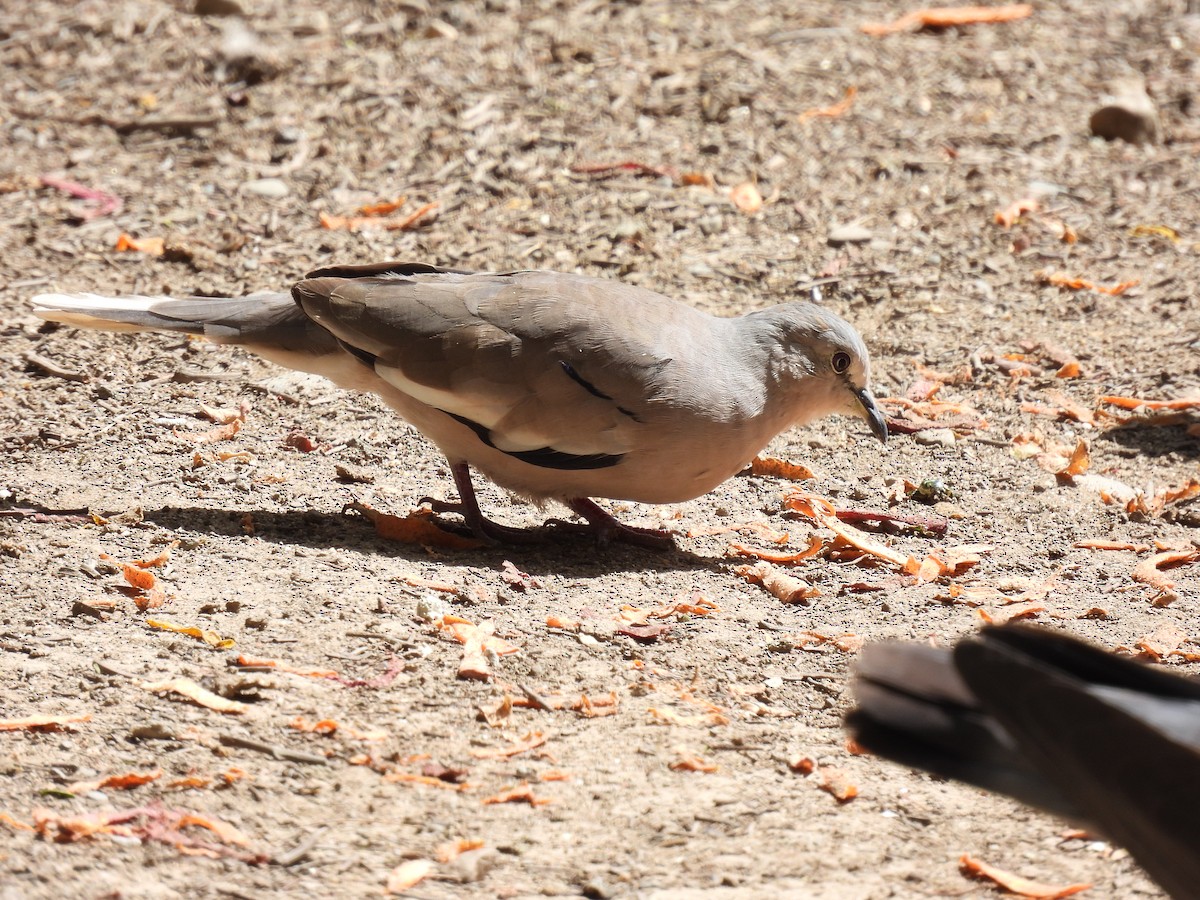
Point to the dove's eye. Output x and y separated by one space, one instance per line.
841 362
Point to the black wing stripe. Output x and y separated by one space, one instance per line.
592 389
364 356
546 457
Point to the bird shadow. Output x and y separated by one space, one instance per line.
1155 442
558 550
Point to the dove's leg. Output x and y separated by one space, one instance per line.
476 522
606 528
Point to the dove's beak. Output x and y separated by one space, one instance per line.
875 419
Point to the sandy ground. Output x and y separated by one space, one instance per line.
228 137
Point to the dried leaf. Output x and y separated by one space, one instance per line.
185 687
1011 612
386 208
138 577
1060 279
42 723
1008 216
1133 403
1105 544
416 528
645 633
689 762
1162 642
948 17
522 793
116 782
408 874
837 783
279 666
450 851
152 246
400 223
1149 571
209 637
1015 884
831 112
778 468
531 741
824 513
779 584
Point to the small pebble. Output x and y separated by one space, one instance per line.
936 437
274 188
849 234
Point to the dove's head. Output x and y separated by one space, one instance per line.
827 363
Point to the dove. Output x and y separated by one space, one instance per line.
1103 741
557 387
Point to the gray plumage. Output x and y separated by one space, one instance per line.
556 386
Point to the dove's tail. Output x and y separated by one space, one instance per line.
1057 723
270 325
244 320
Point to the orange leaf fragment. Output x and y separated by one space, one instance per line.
831 112
1149 571
746 197
522 793
1163 641
427 780
1015 884
823 511
948 17
117 782
42 723
1155 504
220 433
226 832
386 208
1008 216
415 528
689 762
151 599
837 783
451 850
161 560
779 468
16 825
462 631
138 577
803 765
1060 279
531 741
153 246
1068 370
1011 612
279 666
407 875
187 688
399 223
190 782
1138 403
1105 544
209 637
566 624
779 584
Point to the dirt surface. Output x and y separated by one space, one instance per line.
229 136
